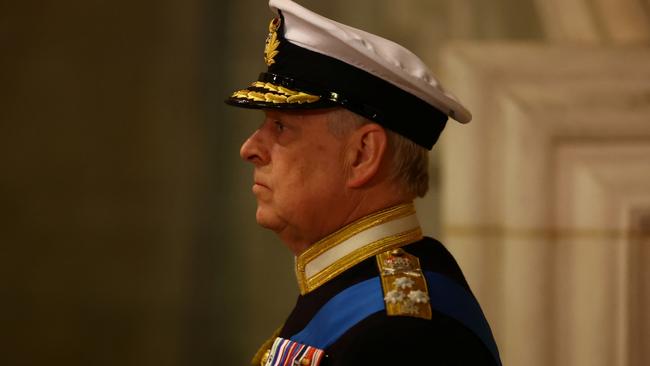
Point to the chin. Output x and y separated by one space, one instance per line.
268 220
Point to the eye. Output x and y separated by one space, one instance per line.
279 126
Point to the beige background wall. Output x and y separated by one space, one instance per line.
127 233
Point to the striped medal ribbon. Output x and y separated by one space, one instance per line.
286 352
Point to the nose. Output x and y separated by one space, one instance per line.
253 149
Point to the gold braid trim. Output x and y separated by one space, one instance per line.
302 98
267 86
278 89
278 95
275 98
262 353
286 91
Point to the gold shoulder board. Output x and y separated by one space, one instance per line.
405 288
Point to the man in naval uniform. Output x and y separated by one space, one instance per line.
349 118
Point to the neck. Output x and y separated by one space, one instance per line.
349 210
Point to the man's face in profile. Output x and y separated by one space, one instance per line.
299 175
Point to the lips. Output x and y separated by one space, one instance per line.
260 190
259 180
258 183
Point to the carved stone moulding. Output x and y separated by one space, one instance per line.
506 212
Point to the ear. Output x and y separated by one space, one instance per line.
365 153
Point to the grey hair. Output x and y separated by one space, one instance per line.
409 166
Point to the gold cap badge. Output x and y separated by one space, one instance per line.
272 42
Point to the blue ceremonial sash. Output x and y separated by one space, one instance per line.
341 313
363 299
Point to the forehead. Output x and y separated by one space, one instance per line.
299 114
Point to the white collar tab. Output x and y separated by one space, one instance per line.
384 230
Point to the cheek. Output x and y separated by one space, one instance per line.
300 178
311 175
322 178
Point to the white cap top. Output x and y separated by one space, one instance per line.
378 56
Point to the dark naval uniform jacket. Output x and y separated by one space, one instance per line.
377 292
